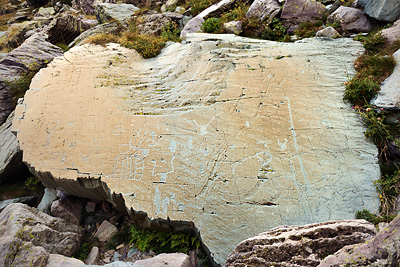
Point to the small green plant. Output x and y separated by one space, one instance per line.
163 242
237 13
308 29
275 31
32 183
389 188
360 91
171 32
102 39
377 131
84 251
199 5
373 218
212 25
63 46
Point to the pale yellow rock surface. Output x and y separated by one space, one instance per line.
235 135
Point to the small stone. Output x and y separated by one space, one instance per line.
167 260
106 231
235 27
120 246
329 32
93 256
152 253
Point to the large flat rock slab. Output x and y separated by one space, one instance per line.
233 134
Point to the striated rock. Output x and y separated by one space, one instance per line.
383 10
50 194
65 29
30 200
30 225
120 12
44 14
295 12
110 27
152 23
219 133
67 209
11 165
166 260
194 25
300 245
263 9
235 27
16 33
389 95
106 231
392 34
328 32
32 55
351 19
382 250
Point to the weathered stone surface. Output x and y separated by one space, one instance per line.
120 12
65 29
166 260
194 25
295 12
263 9
328 32
56 260
32 55
168 5
351 19
16 33
384 10
93 256
392 34
383 250
223 131
106 231
152 24
235 27
67 209
50 194
11 165
110 27
44 13
30 225
389 95
30 255
86 6
31 201
299 245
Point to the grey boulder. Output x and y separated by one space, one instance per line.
120 12
109 27
351 19
329 32
392 34
263 9
152 23
384 10
295 12
300 245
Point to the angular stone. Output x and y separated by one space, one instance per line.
392 34
382 250
166 260
223 131
93 256
389 95
32 55
50 194
120 12
17 33
30 225
11 165
300 245
31 201
235 27
384 10
295 12
351 19
67 209
106 231
152 24
263 9
64 29
328 32
30 255
9 247
110 27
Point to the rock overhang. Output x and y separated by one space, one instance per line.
236 135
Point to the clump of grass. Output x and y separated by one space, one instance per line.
377 130
373 218
171 32
360 91
275 31
18 87
374 67
389 188
102 39
199 5
237 13
63 46
146 45
212 25
308 29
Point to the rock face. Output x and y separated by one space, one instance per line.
223 131
299 245
263 9
351 19
389 95
295 12
10 155
383 250
30 225
384 10
32 55
392 34
109 27
152 24
120 12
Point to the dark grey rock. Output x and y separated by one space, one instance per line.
384 10
295 12
352 19
263 9
67 209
